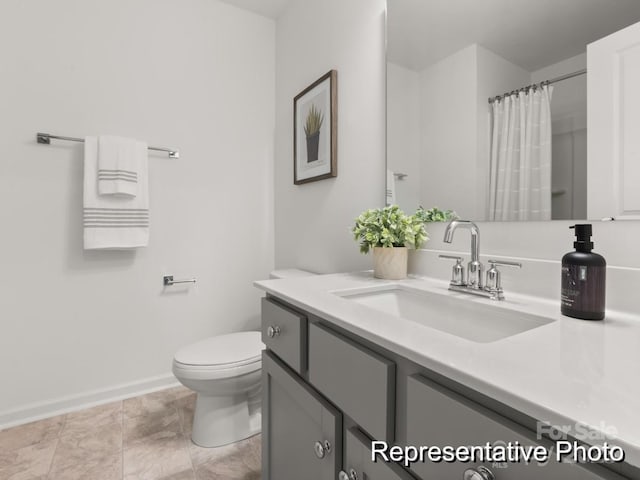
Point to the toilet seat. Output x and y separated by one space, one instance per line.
209 372
223 356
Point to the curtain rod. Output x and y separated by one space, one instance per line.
539 85
45 138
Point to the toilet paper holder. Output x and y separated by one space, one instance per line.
168 280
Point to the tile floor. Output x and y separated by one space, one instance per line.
142 438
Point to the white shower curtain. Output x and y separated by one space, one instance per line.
520 175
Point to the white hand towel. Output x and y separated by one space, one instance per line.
114 221
118 160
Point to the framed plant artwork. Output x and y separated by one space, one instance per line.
315 130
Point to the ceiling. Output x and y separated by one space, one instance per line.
531 34
267 8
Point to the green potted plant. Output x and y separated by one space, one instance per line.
389 232
435 215
312 126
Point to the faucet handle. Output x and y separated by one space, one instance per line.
457 272
504 263
451 257
493 283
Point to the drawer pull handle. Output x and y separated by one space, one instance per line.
352 475
319 449
273 331
479 473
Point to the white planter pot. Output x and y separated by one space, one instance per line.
390 263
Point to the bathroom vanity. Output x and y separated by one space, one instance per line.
351 359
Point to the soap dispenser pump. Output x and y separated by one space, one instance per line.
583 278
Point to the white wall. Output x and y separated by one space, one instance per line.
403 133
313 221
448 132
197 75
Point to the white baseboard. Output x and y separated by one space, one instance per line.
49 408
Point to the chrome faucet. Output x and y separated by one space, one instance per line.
474 268
473 283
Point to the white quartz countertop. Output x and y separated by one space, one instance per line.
567 372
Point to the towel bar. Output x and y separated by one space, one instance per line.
168 280
45 138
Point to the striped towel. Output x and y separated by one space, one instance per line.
114 221
118 160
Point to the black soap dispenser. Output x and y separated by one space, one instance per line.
583 278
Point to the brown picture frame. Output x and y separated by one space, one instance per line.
315 123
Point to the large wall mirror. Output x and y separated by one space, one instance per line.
452 144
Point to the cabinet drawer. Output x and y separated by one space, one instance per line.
301 431
439 417
359 381
357 454
285 332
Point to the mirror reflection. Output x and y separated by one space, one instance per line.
487 104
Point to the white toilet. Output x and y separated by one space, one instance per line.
225 373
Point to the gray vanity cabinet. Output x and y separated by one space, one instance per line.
284 331
322 386
358 465
302 433
437 416
359 381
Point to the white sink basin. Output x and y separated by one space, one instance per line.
475 321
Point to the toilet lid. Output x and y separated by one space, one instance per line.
234 348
